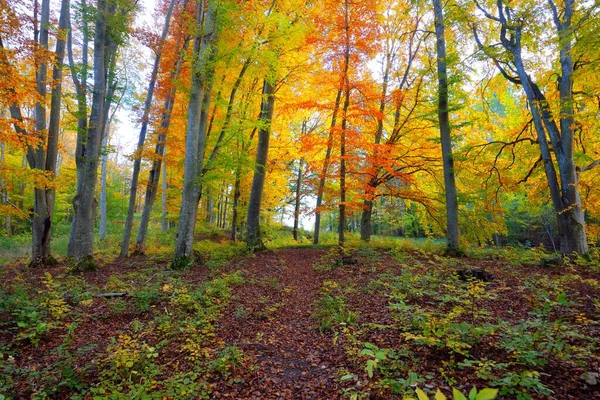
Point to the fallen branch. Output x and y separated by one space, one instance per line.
111 295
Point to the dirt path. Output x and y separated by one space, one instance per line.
270 320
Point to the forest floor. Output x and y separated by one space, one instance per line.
301 323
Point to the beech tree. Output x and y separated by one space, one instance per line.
199 104
555 130
446 138
142 137
109 31
43 155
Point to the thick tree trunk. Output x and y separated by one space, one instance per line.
573 237
253 236
80 84
366 228
199 104
137 163
446 139
81 245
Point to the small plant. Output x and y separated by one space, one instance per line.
484 394
229 359
520 385
146 297
331 311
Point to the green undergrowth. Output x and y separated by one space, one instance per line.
162 344
431 308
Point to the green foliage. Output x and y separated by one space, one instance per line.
330 310
145 297
214 255
483 394
521 384
228 359
34 315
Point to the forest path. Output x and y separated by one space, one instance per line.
269 319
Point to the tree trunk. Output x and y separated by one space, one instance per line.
142 137
236 201
253 236
4 196
163 219
342 206
297 198
81 245
446 139
157 164
81 89
323 176
202 72
366 230
103 173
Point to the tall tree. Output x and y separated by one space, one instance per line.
157 164
199 104
446 138
110 30
142 137
559 126
344 126
43 156
253 235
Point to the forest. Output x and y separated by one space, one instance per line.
290 199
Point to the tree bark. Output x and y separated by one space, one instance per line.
163 219
297 198
199 103
236 201
81 245
103 176
344 126
142 137
4 196
253 236
157 164
446 139
80 84
323 176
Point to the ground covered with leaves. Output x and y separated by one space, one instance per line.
376 321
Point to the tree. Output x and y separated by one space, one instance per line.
142 137
110 27
157 164
559 127
199 103
253 236
446 139
42 156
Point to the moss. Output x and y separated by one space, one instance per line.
42 262
86 264
182 262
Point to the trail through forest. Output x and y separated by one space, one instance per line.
302 323
293 360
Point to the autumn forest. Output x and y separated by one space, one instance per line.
297 199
